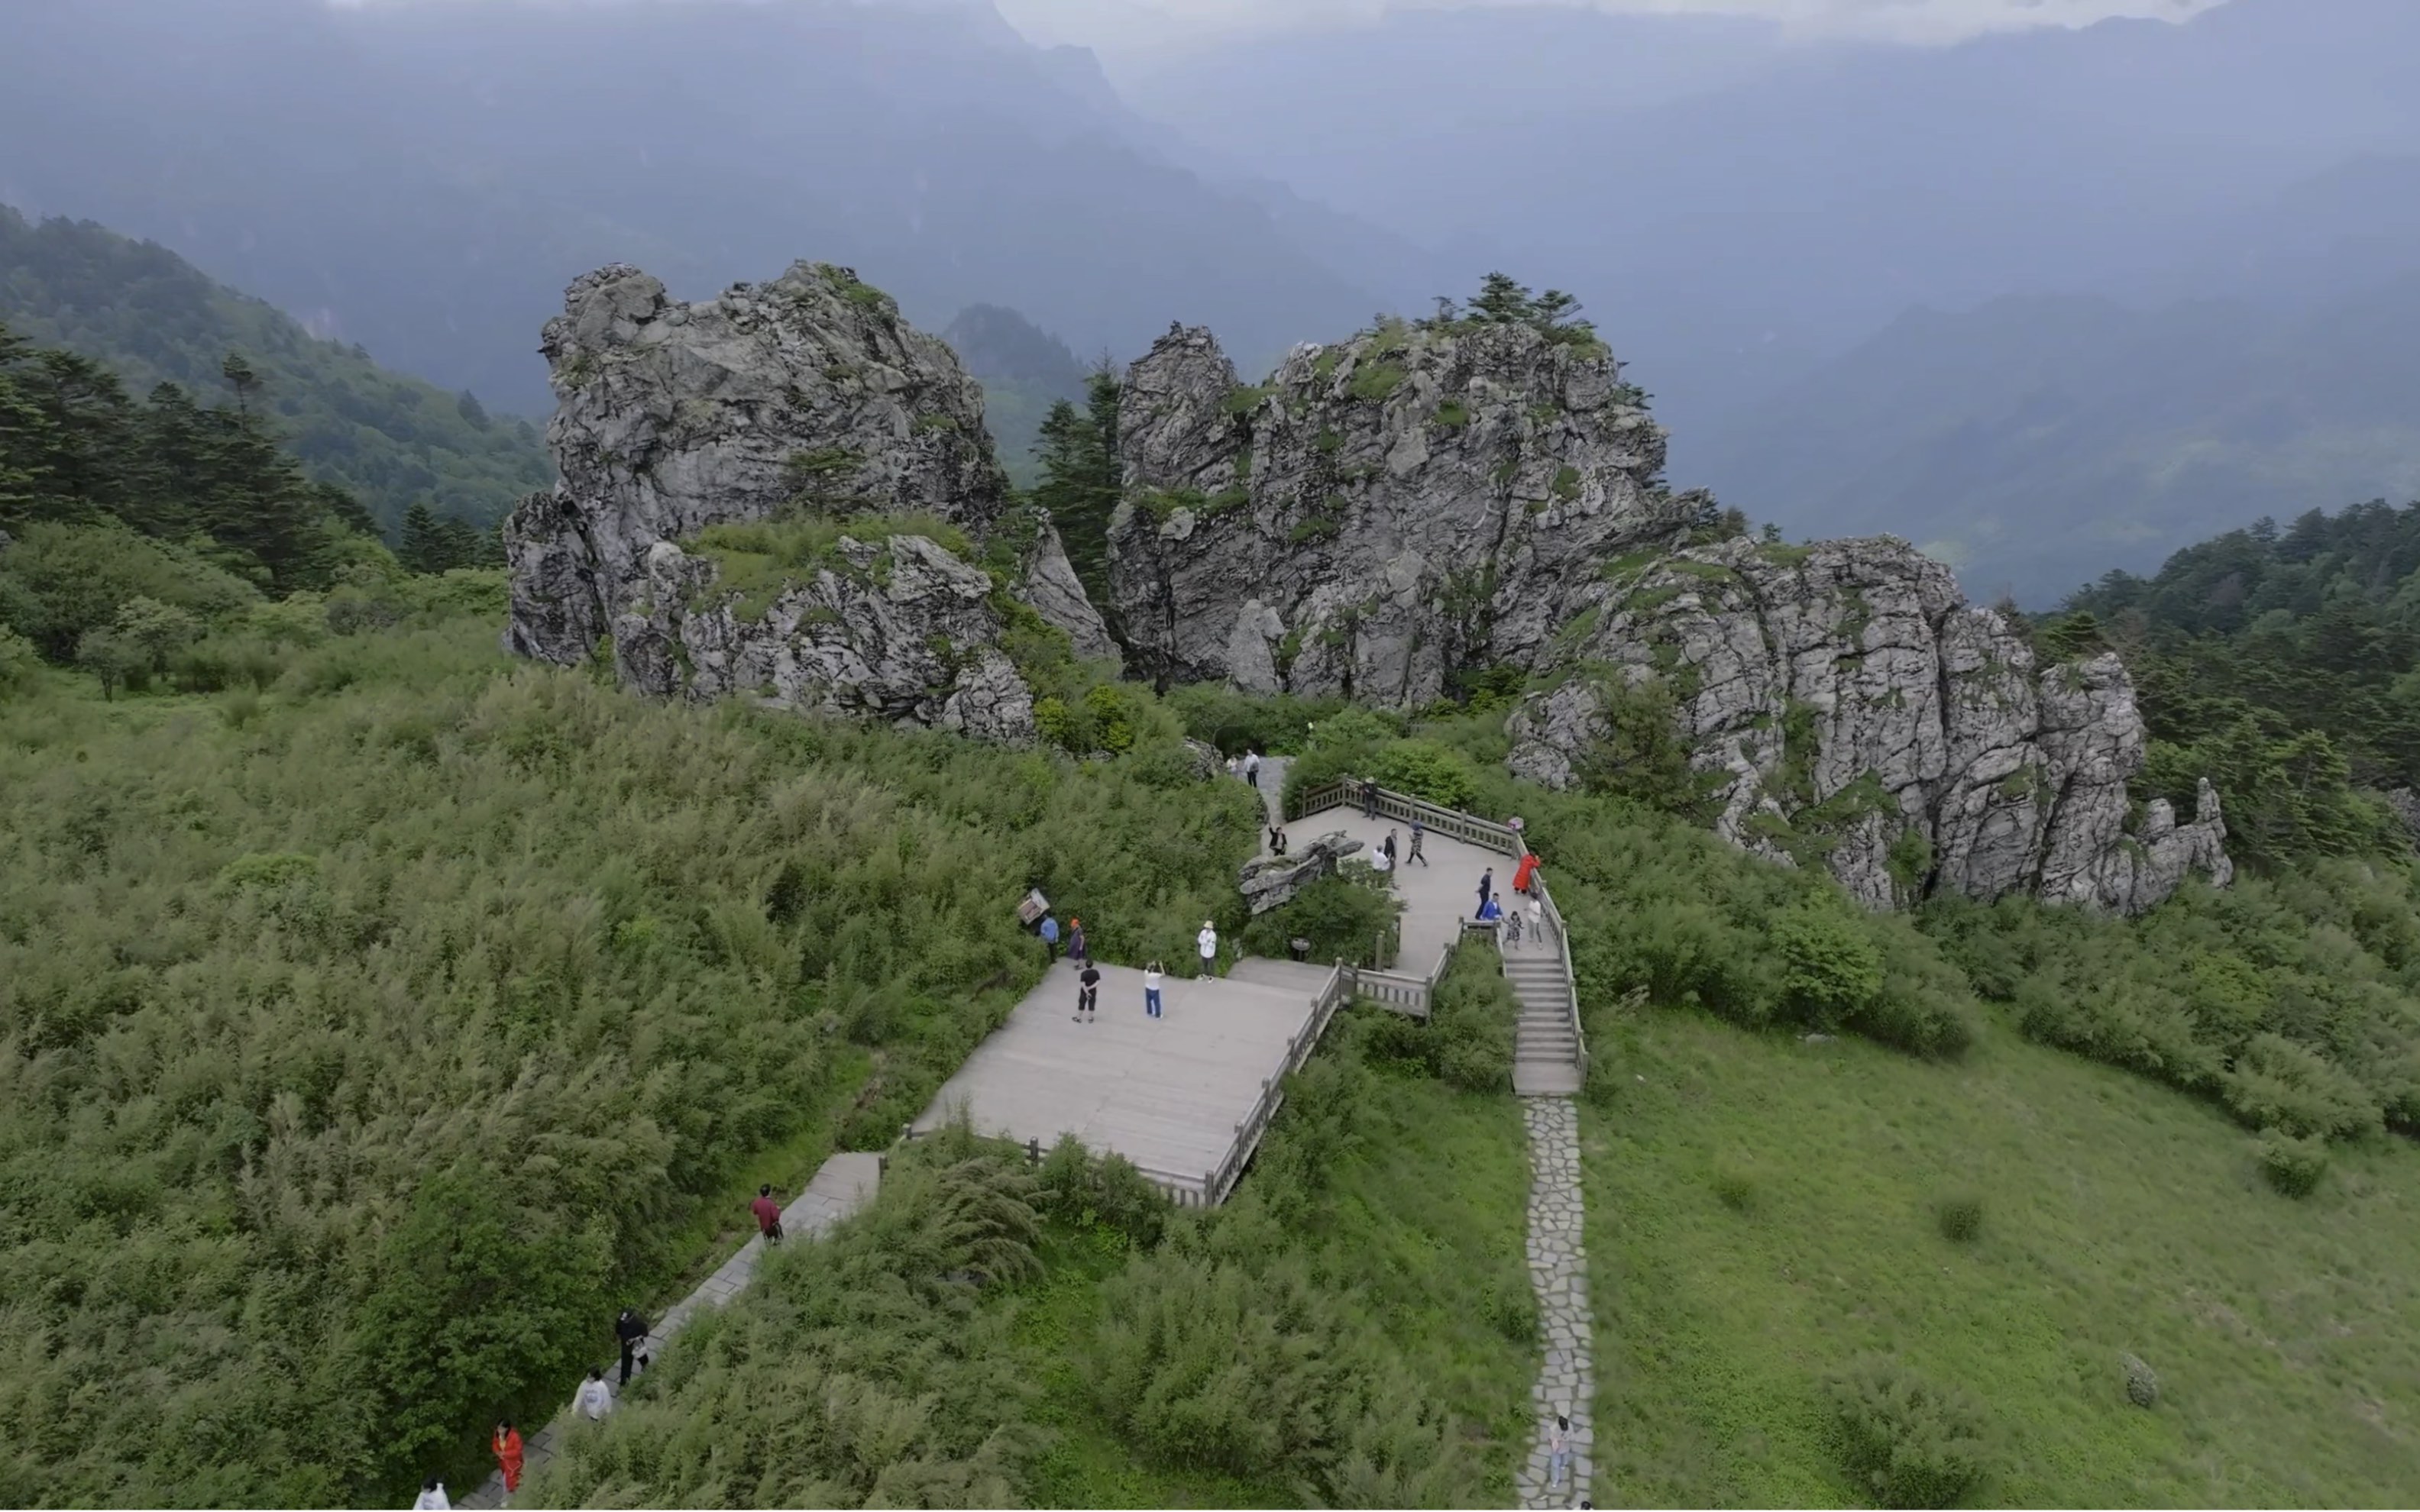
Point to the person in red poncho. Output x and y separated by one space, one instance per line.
508 1447
1525 874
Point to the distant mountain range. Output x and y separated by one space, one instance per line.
2037 442
426 179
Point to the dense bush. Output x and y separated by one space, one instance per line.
2294 1165
1352 916
1907 1441
2294 1001
1960 1217
865 1371
1467 1041
302 990
1427 769
1237 723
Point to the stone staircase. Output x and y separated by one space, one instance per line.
1546 1051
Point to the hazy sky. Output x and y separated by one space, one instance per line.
1122 25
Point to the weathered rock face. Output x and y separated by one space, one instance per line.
894 628
1383 515
805 398
1273 880
1849 709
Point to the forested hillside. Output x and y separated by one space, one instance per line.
150 318
2281 662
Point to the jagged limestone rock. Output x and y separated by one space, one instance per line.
1383 515
1273 880
806 397
894 628
1849 709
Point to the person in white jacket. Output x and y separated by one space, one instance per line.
432 1497
595 1399
1208 942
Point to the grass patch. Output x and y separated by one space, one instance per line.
757 560
2126 1219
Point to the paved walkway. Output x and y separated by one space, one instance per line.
1558 1271
1167 1093
839 1188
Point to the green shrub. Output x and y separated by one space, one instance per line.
2294 1165
61 582
1426 769
1906 1441
1960 1217
21 665
1735 1189
2281 1085
1830 971
1346 917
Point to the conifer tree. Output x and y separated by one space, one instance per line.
424 547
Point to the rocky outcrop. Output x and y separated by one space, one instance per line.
1273 880
1846 708
1383 517
807 407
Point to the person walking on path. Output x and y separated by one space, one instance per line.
507 1446
1525 876
1207 943
432 1497
1276 839
1077 949
1486 890
1049 940
631 1329
1151 980
768 1210
1537 919
595 1399
1252 767
1088 994
1559 1450
1418 829
1512 930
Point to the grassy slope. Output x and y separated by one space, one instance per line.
2118 1217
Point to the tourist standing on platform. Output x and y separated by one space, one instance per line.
507 1446
432 1497
1151 980
1077 950
1207 943
1418 831
1384 865
631 1329
1537 919
1525 876
1390 848
1049 940
595 1399
1369 797
1486 890
1088 994
1489 910
768 1210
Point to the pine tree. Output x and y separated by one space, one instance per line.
1081 477
424 547
1502 301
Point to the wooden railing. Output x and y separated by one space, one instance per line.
1470 828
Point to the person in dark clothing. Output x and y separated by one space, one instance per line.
630 1329
1088 994
1390 848
1418 830
1369 797
1486 889
768 1210
1277 841
1077 949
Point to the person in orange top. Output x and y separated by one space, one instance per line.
1525 874
508 1447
